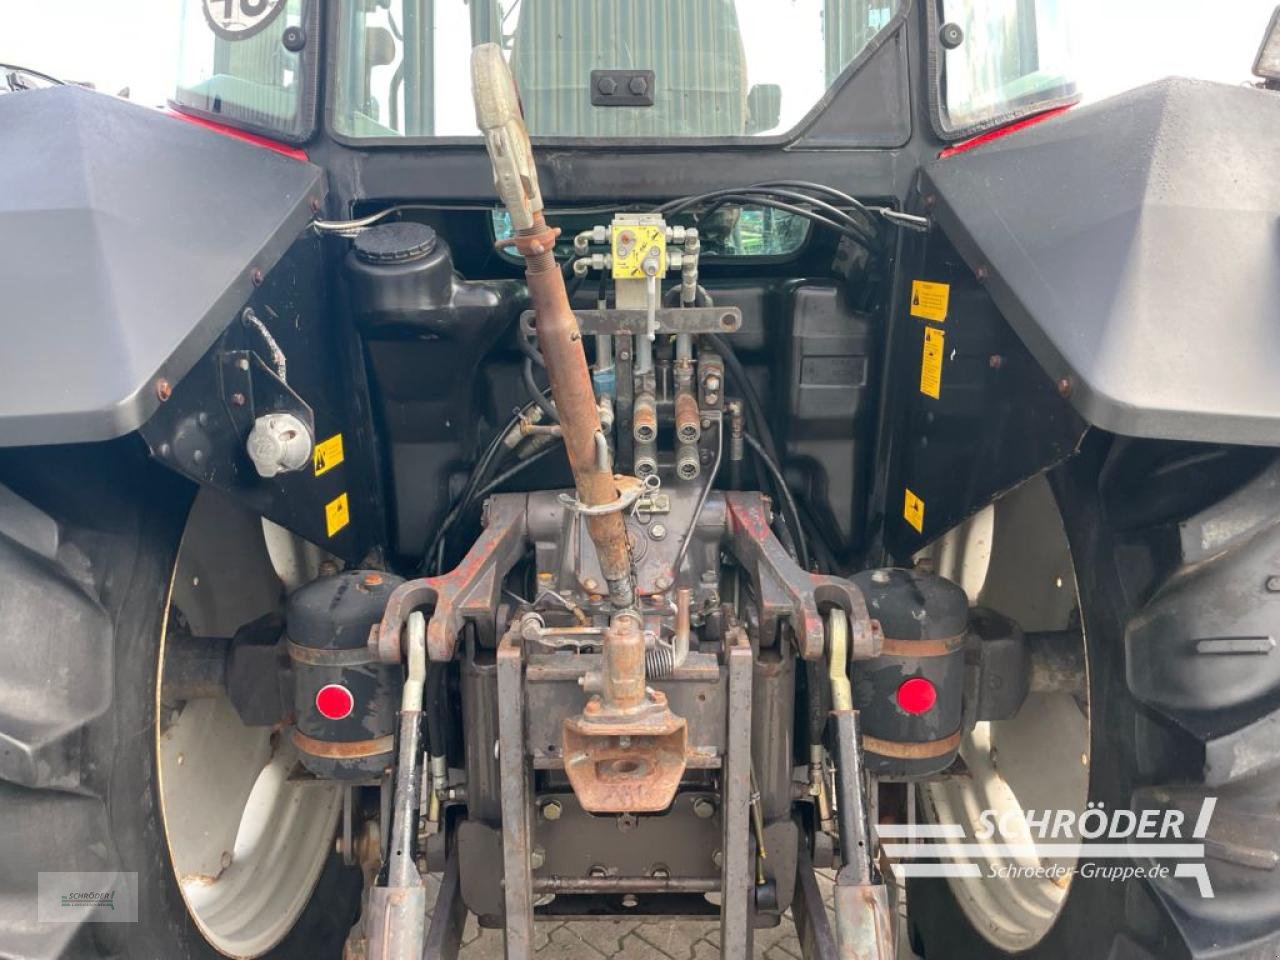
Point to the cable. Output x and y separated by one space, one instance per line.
535 391
801 543
702 499
510 472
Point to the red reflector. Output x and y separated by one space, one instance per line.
335 702
917 695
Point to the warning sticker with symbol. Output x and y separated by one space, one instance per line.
337 514
913 510
328 454
931 362
930 300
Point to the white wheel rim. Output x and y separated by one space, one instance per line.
1017 562
246 842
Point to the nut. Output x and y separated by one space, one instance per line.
657 531
551 810
537 858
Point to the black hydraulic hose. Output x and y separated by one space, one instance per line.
511 472
535 392
818 702
785 492
434 707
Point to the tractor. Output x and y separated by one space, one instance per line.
546 460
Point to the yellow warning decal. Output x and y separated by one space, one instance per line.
337 514
328 454
930 300
913 510
931 362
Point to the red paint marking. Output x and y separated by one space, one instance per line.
281 148
999 132
335 702
917 695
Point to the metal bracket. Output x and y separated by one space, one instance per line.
629 491
785 591
636 322
467 592
251 388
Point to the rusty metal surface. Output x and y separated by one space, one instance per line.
626 884
737 904
560 341
626 751
911 750
342 749
669 320
893 647
864 925
632 764
514 774
468 591
623 675
784 590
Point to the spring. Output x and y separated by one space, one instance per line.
659 662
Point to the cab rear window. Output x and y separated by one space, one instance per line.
702 68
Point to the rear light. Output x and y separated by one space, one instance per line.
335 702
917 695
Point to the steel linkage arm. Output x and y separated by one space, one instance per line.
467 592
785 591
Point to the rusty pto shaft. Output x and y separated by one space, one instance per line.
500 120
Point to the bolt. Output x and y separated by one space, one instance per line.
1064 387
880 576
657 531
711 383
638 86
537 858
242 363
995 361
607 86
1273 584
718 859
662 583
624 355
551 810
591 585
624 741
544 575
256 276
706 423
597 872
704 808
629 901
197 456
593 706
660 872
164 390
226 859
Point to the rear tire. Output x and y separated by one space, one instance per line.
96 541
1172 545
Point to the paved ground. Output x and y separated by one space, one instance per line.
637 939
